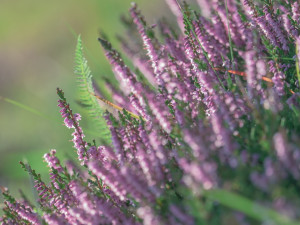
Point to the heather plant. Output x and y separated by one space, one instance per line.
202 129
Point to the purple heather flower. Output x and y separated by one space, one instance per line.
139 62
204 174
127 79
296 12
278 78
71 121
54 219
119 98
138 107
157 143
196 143
53 161
293 101
80 216
197 126
174 7
72 167
222 134
235 108
183 217
25 213
137 186
117 142
218 31
285 155
148 215
107 153
266 30
207 44
157 62
108 176
227 21
251 71
84 200
152 155
245 33
249 8
113 213
298 50
277 29
289 28
205 7
160 111
259 180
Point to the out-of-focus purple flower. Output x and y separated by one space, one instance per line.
53 161
173 5
289 28
251 71
222 135
207 44
107 176
160 111
182 216
54 219
276 26
285 155
149 217
296 12
205 7
25 213
156 61
113 213
204 175
115 139
294 100
278 78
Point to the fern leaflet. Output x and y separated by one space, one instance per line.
87 93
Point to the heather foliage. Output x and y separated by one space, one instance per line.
204 128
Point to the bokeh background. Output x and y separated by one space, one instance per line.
37 43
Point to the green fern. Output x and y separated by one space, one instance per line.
87 94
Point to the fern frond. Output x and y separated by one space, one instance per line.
87 93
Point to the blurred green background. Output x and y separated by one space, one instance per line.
37 43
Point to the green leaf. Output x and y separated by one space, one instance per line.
87 93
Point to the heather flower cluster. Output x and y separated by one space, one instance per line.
205 126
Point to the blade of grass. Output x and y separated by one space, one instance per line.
38 113
248 207
25 107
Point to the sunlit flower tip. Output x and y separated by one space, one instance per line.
77 116
69 122
61 104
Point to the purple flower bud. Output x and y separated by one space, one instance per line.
53 161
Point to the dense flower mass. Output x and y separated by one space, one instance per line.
205 127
